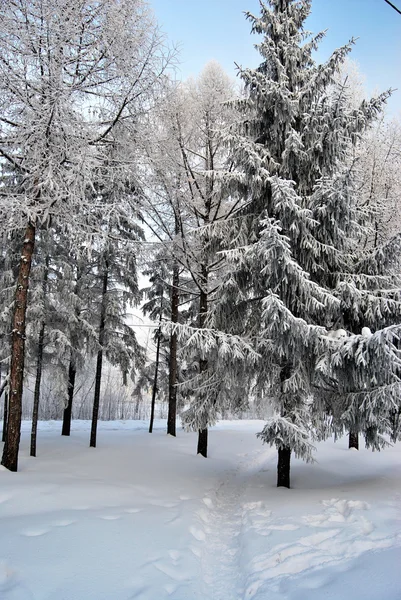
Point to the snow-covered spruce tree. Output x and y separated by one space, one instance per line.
66 81
293 239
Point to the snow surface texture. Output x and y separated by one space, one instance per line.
142 517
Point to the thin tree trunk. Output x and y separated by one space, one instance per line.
283 467
67 414
36 396
284 454
99 362
353 440
39 365
172 381
11 446
154 390
203 364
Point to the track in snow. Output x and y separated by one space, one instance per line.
221 521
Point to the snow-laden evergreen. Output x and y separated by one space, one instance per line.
293 248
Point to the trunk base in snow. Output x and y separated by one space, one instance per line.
13 431
283 467
202 442
353 440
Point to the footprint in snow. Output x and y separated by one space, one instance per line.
63 523
132 511
170 588
284 527
253 589
163 504
173 519
204 516
34 532
195 551
175 555
110 517
172 572
198 534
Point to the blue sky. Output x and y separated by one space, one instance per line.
217 29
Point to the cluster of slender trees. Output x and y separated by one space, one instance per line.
264 219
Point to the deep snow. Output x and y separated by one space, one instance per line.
142 517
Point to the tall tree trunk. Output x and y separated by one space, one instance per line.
202 442
154 390
36 396
11 446
67 414
172 380
39 364
353 440
203 364
284 454
283 467
99 362
72 371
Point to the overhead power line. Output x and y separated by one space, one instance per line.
395 8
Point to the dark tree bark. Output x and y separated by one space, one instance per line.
36 396
11 445
203 364
202 442
39 366
172 381
353 440
67 414
283 467
284 454
154 389
72 371
99 362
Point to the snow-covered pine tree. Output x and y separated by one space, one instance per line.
291 242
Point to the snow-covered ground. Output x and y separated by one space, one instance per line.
142 517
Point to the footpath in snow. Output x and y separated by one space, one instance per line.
142 517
